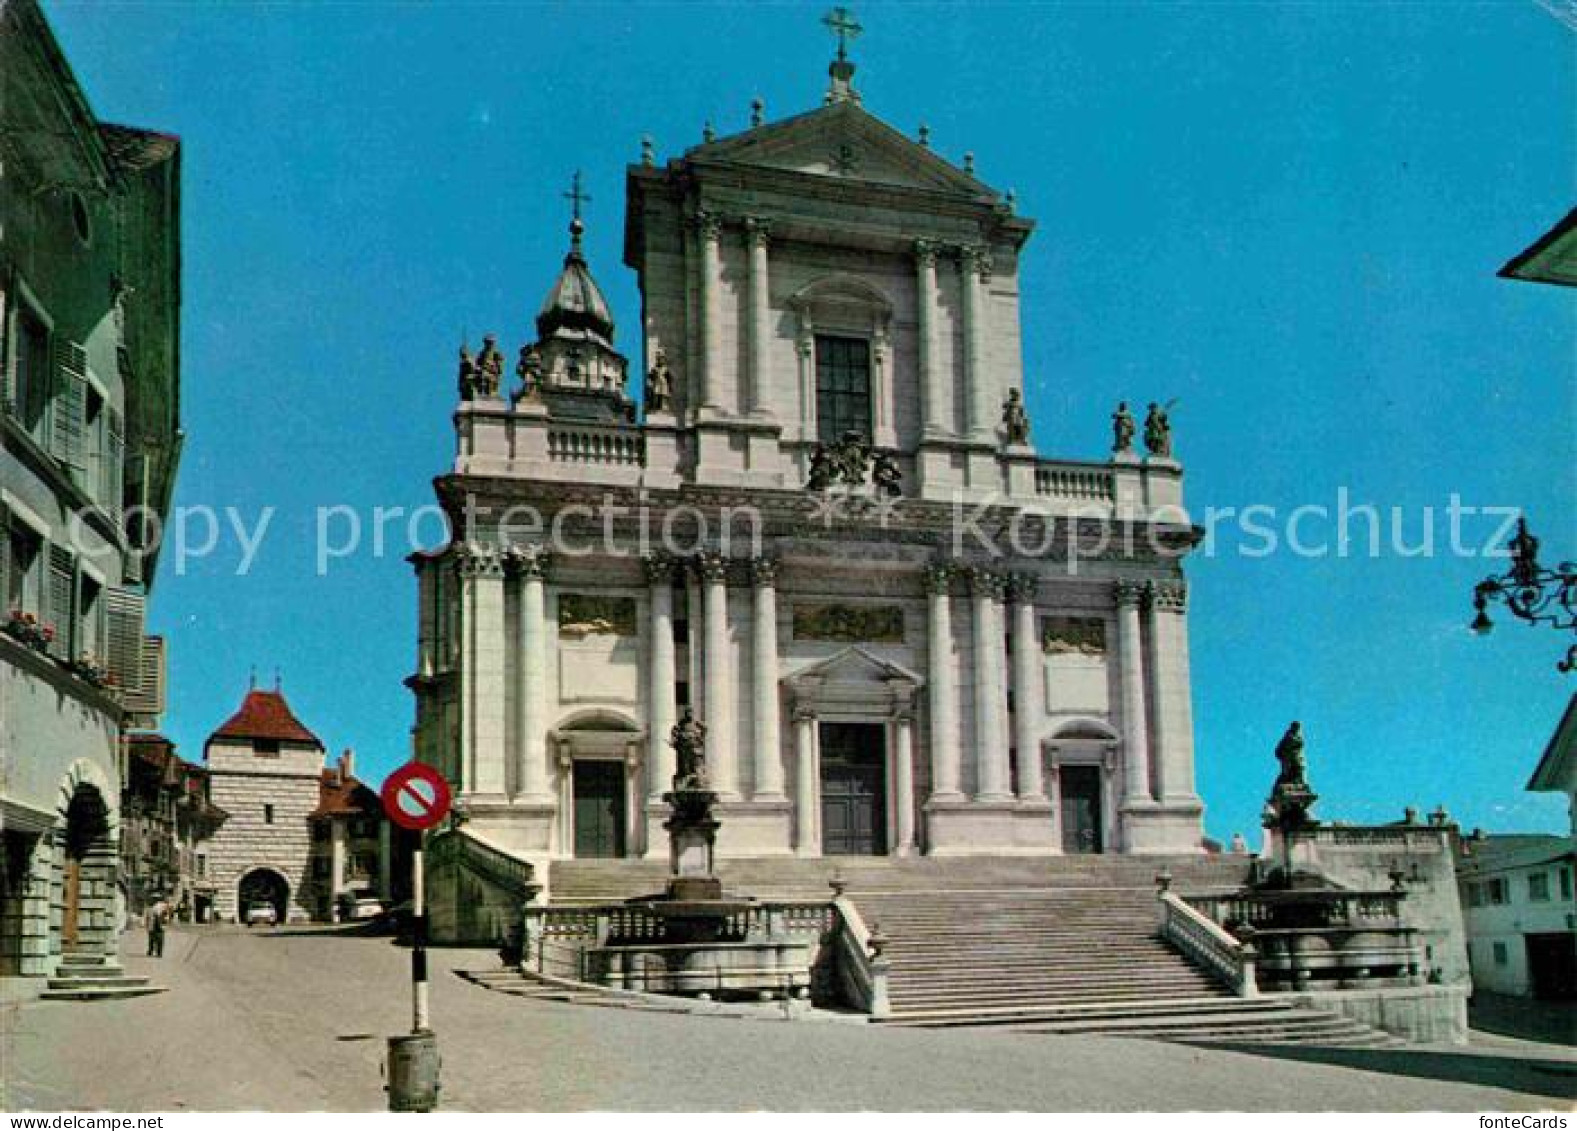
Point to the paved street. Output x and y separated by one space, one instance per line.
291 1021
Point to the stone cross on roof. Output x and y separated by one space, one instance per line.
841 22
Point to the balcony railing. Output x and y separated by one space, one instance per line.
1079 482
597 445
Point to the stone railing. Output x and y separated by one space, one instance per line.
1262 909
862 970
462 848
598 445
558 939
1201 939
1077 481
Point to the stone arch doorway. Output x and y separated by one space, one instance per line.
263 885
599 755
88 866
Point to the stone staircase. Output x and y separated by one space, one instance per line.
93 977
1063 945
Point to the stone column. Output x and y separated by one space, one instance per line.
807 837
661 707
530 564
758 234
942 684
719 699
930 372
764 735
1027 675
903 769
1173 722
709 230
991 760
336 866
974 268
1136 741
386 861
482 669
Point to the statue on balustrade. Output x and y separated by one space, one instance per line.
1123 428
529 370
1015 421
821 470
851 456
1291 798
688 738
659 384
885 476
467 374
1158 432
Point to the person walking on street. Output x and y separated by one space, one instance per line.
157 915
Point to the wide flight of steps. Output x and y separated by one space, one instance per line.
92 977
1063 945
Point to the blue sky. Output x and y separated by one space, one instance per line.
1289 217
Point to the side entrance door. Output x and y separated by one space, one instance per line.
73 894
1552 966
599 808
1081 809
853 789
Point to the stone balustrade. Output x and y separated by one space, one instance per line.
862 970
1076 482
1206 943
597 445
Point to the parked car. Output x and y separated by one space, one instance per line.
262 912
351 908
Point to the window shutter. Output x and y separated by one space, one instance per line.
138 532
62 601
124 608
114 500
5 552
70 408
7 399
146 699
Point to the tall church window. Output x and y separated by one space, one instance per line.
843 387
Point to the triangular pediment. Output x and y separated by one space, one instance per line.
854 665
844 142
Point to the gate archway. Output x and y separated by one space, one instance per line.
263 885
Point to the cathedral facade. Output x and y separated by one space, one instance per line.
823 530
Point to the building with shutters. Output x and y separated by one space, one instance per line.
89 403
825 530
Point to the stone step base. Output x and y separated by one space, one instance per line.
100 991
71 980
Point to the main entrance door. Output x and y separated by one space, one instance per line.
599 808
69 936
1081 808
853 789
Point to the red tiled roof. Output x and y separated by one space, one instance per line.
265 715
345 796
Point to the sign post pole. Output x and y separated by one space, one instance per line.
418 939
416 797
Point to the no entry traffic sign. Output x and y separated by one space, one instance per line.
416 797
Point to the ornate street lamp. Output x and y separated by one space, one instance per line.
1532 593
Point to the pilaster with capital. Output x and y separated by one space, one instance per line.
925 335
991 753
765 736
528 564
662 708
942 683
903 768
1129 596
1027 697
1172 721
722 754
807 812
974 269
483 731
709 230
758 234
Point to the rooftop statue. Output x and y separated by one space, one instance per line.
1015 421
1289 754
1123 428
659 384
1158 432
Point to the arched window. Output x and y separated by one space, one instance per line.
843 334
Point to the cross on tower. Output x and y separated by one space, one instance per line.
575 196
841 22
